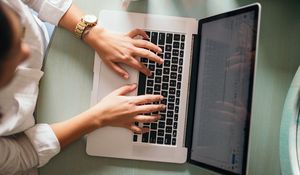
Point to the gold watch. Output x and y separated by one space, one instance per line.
87 21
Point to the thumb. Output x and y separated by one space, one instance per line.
125 89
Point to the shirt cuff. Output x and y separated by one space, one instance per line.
44 142
53 10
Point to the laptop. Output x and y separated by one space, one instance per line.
206 79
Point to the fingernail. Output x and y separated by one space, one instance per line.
133 85
158 117
126 76
161 97
161 61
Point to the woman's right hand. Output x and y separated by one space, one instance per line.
117 109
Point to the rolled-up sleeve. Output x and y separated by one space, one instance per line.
44 142
49 10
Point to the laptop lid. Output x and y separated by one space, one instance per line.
221 90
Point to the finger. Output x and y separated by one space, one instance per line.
149 108
145 118
135 32
125 89
138 130
147 45
148 54
138 66
118 69
143 99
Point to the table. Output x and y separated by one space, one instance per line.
66 86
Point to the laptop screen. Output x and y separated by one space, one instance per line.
224 90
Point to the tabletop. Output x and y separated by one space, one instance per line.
66 86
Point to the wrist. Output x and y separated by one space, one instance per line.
94 34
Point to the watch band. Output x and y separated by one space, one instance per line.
88 21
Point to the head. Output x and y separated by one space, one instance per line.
13 51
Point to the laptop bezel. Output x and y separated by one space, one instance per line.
193 86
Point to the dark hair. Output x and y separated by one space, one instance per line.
6 35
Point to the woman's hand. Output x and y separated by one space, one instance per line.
119 110
116 48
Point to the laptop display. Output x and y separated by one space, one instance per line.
223 92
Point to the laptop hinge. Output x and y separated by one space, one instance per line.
192 91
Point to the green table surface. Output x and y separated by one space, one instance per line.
67 83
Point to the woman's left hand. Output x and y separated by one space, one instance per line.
116 48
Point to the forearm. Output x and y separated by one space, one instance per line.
71 18
70 130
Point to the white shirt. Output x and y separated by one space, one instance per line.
24 145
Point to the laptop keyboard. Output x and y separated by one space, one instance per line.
166 81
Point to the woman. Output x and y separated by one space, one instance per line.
24 145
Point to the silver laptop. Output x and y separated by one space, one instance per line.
206 79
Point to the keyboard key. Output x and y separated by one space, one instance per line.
162 117
158 65
157 79
182 38
174 141
175 125
168 48
169 38
168 129
144 60
176 45
181 45
154 36
170 114
145 137
175 52
166 70
157 87
151 67
167 63
166 78
149 90
178 85
177 101
173 75
164 101
160 140
171 106
180 69
161 38
165 86
174 133
181 53
180 61
176 37
168 139
169 121
167 55
134 137
172 91
176 117
158 71
173 83
161 125
152 136
174 60
171 98
150 83
174 68
162 49
153 125
178 93
179 77
164 93
176 109
160 132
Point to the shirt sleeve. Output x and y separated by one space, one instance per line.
44 142
17 154
49 10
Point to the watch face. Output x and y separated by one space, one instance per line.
90 18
